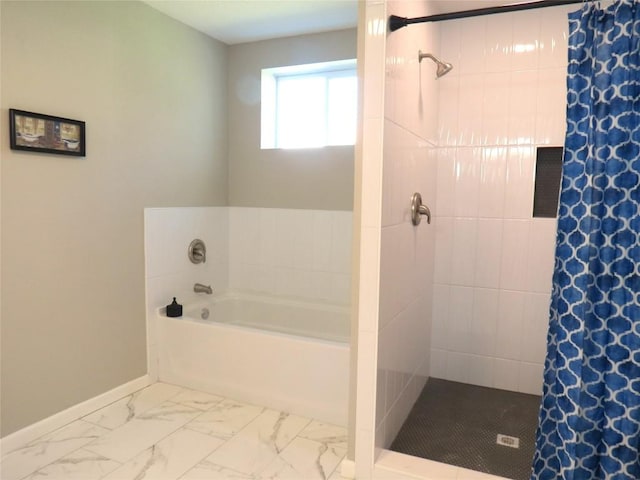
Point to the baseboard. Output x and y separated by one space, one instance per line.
348 468
22 437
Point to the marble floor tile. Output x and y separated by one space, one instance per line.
124 410
304 459
325 433
259 443
169 458
145 430
19 463
79 465
166 432
195 399
206 470
336 474
225 419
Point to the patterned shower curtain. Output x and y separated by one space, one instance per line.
589 425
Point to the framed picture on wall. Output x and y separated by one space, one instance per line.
39 133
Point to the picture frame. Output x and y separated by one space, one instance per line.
40 133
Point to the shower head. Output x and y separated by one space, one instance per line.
443 68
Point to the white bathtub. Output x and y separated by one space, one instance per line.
284 354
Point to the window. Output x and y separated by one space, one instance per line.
306 106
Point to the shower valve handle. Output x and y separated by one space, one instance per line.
417 209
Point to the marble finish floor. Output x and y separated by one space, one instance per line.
165 432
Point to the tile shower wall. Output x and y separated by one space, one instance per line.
493 264
406 251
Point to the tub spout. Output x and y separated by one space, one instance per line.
199 288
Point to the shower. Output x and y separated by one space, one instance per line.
485 302
443 67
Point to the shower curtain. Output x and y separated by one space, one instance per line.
589 426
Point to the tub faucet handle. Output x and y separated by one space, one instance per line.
200 288
197 251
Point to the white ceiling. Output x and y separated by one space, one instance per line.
241 21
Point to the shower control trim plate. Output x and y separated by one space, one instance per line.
197 251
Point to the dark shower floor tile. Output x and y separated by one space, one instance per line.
458 424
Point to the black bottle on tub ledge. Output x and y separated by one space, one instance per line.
174 309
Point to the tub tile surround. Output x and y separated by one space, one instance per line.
168 233
163 437
296 253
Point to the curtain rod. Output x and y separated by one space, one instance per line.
396 22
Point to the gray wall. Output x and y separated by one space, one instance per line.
320 178
153 93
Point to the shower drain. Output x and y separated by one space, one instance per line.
507 441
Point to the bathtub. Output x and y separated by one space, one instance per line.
280 353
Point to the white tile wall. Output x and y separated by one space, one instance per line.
371 380
494 262
488 252
305 253
463 252
472 32
467 170
513 266
518 199
406 251
301 253
470 102
491 199
168 233
510 320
